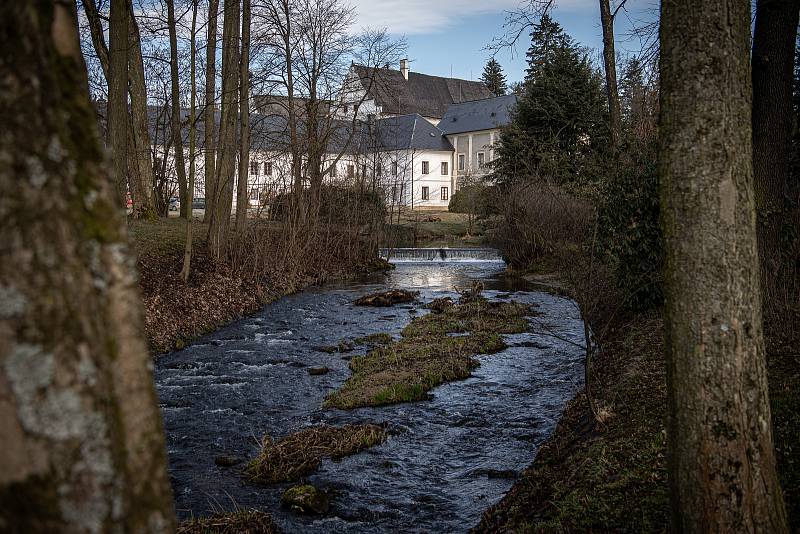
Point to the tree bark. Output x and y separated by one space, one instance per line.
82 443
175 122
118 95
773 73
720 454
610 64
140 166
244 112
210 120
141 175
187 250
220 218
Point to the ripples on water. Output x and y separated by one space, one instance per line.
446 460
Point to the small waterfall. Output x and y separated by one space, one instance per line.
422 255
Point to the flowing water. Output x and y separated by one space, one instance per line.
446 460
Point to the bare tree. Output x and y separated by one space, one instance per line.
187 251
720 453
226 150
607 18
118 94
140 167
209 114
244 113
83 448
175 106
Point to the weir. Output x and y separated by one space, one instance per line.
423 255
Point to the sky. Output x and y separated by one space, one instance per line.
447 36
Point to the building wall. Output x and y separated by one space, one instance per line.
469 145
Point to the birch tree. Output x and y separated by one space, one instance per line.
82 443
720 453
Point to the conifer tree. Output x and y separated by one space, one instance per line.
494 78
560 120
546 37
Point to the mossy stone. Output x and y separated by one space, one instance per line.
306 499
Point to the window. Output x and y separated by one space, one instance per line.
426 167
394 193
351 171
333 171
363 170
268 168
254 168
254 193
445 170
481 160
425 193
394 168
378 169
346 108
462 162
445 193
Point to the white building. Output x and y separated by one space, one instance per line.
416 163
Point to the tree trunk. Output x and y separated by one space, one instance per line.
118 95
220 218
82 442
610 64
773 74
244 112
187 251
140 167
720 454
175 122
141 175
210 120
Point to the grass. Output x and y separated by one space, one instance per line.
612 477
297 455
449 231
237 522
428 355
608 476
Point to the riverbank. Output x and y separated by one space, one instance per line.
219 293
605 470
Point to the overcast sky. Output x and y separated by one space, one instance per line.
445 35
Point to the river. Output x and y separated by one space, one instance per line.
446 460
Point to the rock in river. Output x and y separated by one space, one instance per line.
306 499
318 371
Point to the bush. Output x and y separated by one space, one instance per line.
629 226
337 204
472 199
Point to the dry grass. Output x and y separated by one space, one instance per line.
262 268
428 354
237 522
387 298
299 454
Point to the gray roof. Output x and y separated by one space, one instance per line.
478 115
409 132
421 93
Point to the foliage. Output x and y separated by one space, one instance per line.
494 78
559 127
337 204
473 199
629 225
236 522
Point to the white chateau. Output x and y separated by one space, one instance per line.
417 137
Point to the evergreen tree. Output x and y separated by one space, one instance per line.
494 78
546 37
559 125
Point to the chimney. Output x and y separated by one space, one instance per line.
404 68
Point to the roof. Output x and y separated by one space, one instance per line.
426 95
478 115
409 132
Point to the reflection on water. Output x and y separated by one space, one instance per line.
446 460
